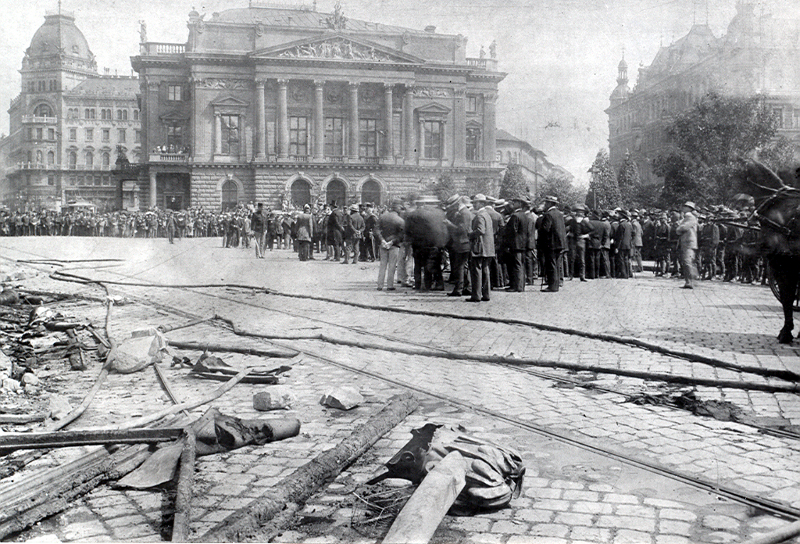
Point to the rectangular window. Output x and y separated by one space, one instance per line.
30 134
472 103
473 144
174 93
334 136
39 134
777 113
397 135
89 134
51 180
298 136
73 134
230 134
367 138
137 136
106 134
121 134
796 120
51 134
175 136
89 113
433 139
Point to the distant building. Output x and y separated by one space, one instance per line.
757 56
68 122
291 106
535 166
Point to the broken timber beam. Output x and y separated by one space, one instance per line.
250 522
65 439
781 534
424 511
183 496
275 352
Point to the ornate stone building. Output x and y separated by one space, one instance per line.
290 106
67 122
757 56
535 165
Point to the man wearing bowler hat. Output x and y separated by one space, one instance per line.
553 240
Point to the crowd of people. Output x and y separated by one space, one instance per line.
484 242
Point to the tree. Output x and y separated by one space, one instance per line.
513 184
603 189
561 187
443 187
484 186
628 181
708 142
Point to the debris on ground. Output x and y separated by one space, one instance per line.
275 398
141 350
342 398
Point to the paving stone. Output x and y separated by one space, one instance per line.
590 534
513 527
714 521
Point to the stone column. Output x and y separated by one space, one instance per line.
151 137
408 119
153 189
217 133
489 126
421 141
261 140
353 121
319 121
283 119
388 121
459 127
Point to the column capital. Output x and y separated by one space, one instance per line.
388 87
459 92
261 83
319 83
353 84
490 96
282 82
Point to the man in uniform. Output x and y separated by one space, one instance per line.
458 220
258 223
581 228
515 240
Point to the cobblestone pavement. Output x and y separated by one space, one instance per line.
572 494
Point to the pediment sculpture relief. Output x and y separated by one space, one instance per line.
336 49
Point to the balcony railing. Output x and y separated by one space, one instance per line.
370 160
335 158
169 157
37 166
481 164
484 64
298 158
160 48
39 120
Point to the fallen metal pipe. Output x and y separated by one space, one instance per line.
65 439
781 534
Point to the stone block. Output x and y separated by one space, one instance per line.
275 398
342 398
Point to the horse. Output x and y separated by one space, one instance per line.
777 209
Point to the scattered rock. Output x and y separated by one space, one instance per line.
9 297
342 398
10 385
275 398
5 365
138 352
75 361
29 378
59 407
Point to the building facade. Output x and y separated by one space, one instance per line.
534 163
291 106
757 56
68 123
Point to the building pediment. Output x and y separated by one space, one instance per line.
433 109
174 115
473 124
229 102
337 47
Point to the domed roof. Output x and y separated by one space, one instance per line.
622 65
59 35
621 92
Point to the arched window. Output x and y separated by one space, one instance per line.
301 193
51 158
73 160
43 110
371 192
135 115
39 157
336 191
89 159
30 157
106 159
230 195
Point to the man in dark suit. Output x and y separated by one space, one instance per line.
516 237
553 240
623 242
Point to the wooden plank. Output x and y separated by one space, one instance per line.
426 508
66 439
183 497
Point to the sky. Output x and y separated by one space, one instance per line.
561 56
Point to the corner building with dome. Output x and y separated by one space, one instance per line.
291 106
68 123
